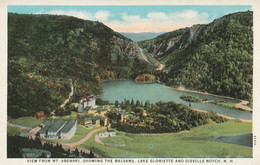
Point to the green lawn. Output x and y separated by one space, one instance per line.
80 133
12 131
73 116
32 121
119 139
189 144
27 121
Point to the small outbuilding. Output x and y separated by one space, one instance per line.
107 134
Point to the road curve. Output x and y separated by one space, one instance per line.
85 138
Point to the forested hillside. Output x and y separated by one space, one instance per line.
47 52
216 58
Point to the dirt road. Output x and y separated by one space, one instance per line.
85 138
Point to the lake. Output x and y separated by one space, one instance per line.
127 89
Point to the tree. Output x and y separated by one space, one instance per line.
91 154
137 103
76 152
43 155
116 104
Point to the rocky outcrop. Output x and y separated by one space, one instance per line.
130 48
170 42
194 31
165 46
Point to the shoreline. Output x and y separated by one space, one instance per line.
228 117
241 104
121 79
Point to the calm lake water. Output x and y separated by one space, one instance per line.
127 89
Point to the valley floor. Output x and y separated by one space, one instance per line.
193 143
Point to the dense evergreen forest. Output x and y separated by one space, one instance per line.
216 58
47 52
162 117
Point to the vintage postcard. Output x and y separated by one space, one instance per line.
160 82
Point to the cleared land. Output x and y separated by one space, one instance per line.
195 143
27 121
12 131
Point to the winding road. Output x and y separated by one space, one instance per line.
85 138
19 126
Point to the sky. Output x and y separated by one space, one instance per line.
136 19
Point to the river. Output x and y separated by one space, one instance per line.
127 89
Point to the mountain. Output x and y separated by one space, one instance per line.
47 52
136 37
216 57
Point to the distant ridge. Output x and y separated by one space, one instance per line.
136 37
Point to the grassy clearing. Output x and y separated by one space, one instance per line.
27 121
12 131
80 133
187 144
32 121
73 116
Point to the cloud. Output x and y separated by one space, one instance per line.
151 22
79 14
158 21
102 15
158 16
188 14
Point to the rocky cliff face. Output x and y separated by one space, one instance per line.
169 42
127 46
131 49
195 31
161 48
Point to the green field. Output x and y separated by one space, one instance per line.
72 116
12 131
27 121
32 121
80 133
187 144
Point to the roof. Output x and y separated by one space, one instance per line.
68 126
45 128
98 117
56 126
48 122
85 116
88 98
87 119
